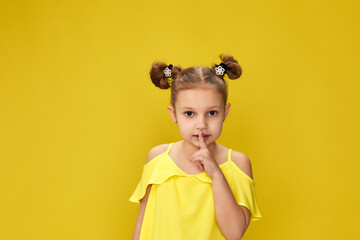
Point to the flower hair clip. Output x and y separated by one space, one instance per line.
167 71
220 69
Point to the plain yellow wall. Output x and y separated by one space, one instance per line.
79 112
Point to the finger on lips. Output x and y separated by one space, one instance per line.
201 140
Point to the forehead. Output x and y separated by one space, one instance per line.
199 98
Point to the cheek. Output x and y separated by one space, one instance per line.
217 125
184 126
218 121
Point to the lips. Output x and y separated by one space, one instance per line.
204 136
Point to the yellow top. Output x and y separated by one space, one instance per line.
181 206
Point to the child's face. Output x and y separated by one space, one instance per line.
199 109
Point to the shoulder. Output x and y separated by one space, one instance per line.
156 151
242 161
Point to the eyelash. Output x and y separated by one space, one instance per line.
186 113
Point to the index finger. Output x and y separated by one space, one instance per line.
201 141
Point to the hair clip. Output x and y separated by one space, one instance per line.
167 71
220 69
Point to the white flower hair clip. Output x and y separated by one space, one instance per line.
167 71
220 69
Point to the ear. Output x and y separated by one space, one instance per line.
227 109
172 113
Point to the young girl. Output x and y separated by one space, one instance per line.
195 189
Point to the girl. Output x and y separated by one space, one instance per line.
195 188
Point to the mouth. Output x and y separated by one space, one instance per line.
205 136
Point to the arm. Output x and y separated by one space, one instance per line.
139 220
232 219
137 230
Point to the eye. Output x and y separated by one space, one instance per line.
213 113
189 114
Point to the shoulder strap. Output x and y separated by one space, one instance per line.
168 149
229 155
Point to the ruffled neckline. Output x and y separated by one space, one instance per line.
202 176
187 174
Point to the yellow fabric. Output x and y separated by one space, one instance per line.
181 206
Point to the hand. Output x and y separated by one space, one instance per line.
204 159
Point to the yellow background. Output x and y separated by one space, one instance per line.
79 112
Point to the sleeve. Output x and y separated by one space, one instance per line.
243 189
154 172
140 190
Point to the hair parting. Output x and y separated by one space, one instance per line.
195 77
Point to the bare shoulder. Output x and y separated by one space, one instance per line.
242 161
157 150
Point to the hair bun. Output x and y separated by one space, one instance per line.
233 69
157 75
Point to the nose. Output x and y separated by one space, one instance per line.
201 123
